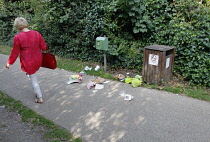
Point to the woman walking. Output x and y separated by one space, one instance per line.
28 44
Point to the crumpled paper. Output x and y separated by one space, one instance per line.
98 80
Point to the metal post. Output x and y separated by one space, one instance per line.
104 61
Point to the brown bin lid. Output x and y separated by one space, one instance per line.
159 47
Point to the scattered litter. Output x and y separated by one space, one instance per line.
99 86
127 74
122 94
98 80
135 82
107 81
82 73
90 85
2 106
128 80
127 97
88 68
120 77
138 77
75 79
97 68
94 91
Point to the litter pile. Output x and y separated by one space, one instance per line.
135 82
90 68
75 78
98 82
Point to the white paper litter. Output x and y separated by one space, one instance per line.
94 91
106 81
99 86
127 97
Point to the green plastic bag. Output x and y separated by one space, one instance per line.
136 82
138 77
128 80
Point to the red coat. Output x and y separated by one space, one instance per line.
29 46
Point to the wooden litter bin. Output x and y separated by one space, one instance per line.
158 62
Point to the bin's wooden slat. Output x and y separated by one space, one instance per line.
163 70
144 64
158 68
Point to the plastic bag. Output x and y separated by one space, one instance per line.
138 77
128 80
98 80
75 78
90 85
136 82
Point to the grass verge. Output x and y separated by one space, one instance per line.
54 132
5 49
200 93
78 66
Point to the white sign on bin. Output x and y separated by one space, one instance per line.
153 59
167 63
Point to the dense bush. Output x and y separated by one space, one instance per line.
6 15
70 28
9 10
189 33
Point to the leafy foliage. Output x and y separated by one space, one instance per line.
141 16
191 39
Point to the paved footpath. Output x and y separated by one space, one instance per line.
104 116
